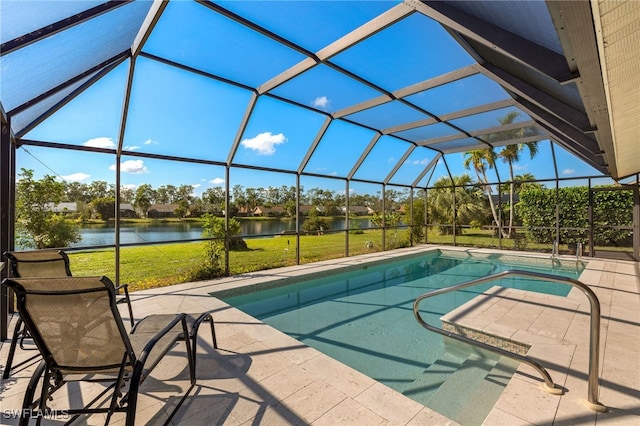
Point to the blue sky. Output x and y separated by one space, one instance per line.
177 113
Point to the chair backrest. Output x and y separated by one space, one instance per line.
74 322
39 263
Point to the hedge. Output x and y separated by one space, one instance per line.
537 208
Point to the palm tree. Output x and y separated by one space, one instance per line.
467 204
510 155
482 160
523 181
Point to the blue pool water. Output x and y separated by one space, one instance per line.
364 319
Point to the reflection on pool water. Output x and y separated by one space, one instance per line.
364 319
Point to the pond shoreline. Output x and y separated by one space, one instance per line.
142 231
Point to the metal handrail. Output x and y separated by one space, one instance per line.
554 250
578 251
549 386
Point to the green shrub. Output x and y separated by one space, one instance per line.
537 208
313 223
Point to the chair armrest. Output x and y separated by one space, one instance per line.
122 286
126 298
141 358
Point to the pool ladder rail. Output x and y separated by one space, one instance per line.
594 339
555 252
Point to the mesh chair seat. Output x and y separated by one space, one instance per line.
37 264
193 324
76 325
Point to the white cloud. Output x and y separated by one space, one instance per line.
76 177
131 166
131 147
217 181
102 142
150 142
422 162
196 186
130 186
321 102
264 143
568 171
519 167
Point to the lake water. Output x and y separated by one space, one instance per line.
97 235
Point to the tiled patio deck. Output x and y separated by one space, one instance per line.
261 376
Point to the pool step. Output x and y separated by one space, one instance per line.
433 377
463 389
452 396
480 403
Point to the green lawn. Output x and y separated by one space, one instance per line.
165 264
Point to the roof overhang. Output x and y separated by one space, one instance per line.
599 41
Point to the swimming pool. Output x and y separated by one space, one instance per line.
364 319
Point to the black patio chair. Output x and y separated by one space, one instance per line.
76 325
36 264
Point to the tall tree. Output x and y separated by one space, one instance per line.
166 194
127 194
214 196
510 155
458 200
143 198
37 224
100 189
254 198
184 193
482 160
76 191
105 207
239 198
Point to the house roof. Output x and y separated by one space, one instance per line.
163 208
63 207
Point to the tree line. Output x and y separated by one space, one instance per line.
97 199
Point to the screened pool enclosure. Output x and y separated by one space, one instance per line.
328 128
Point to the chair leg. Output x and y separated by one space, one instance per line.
213 333
116 391
12 349
191 355
194 334
27 402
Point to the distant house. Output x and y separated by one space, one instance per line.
127 210
245 211
359 210
158 211
62 207
304 210
275 211
201 209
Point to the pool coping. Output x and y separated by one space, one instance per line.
331 267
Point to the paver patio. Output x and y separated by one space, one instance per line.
259 375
